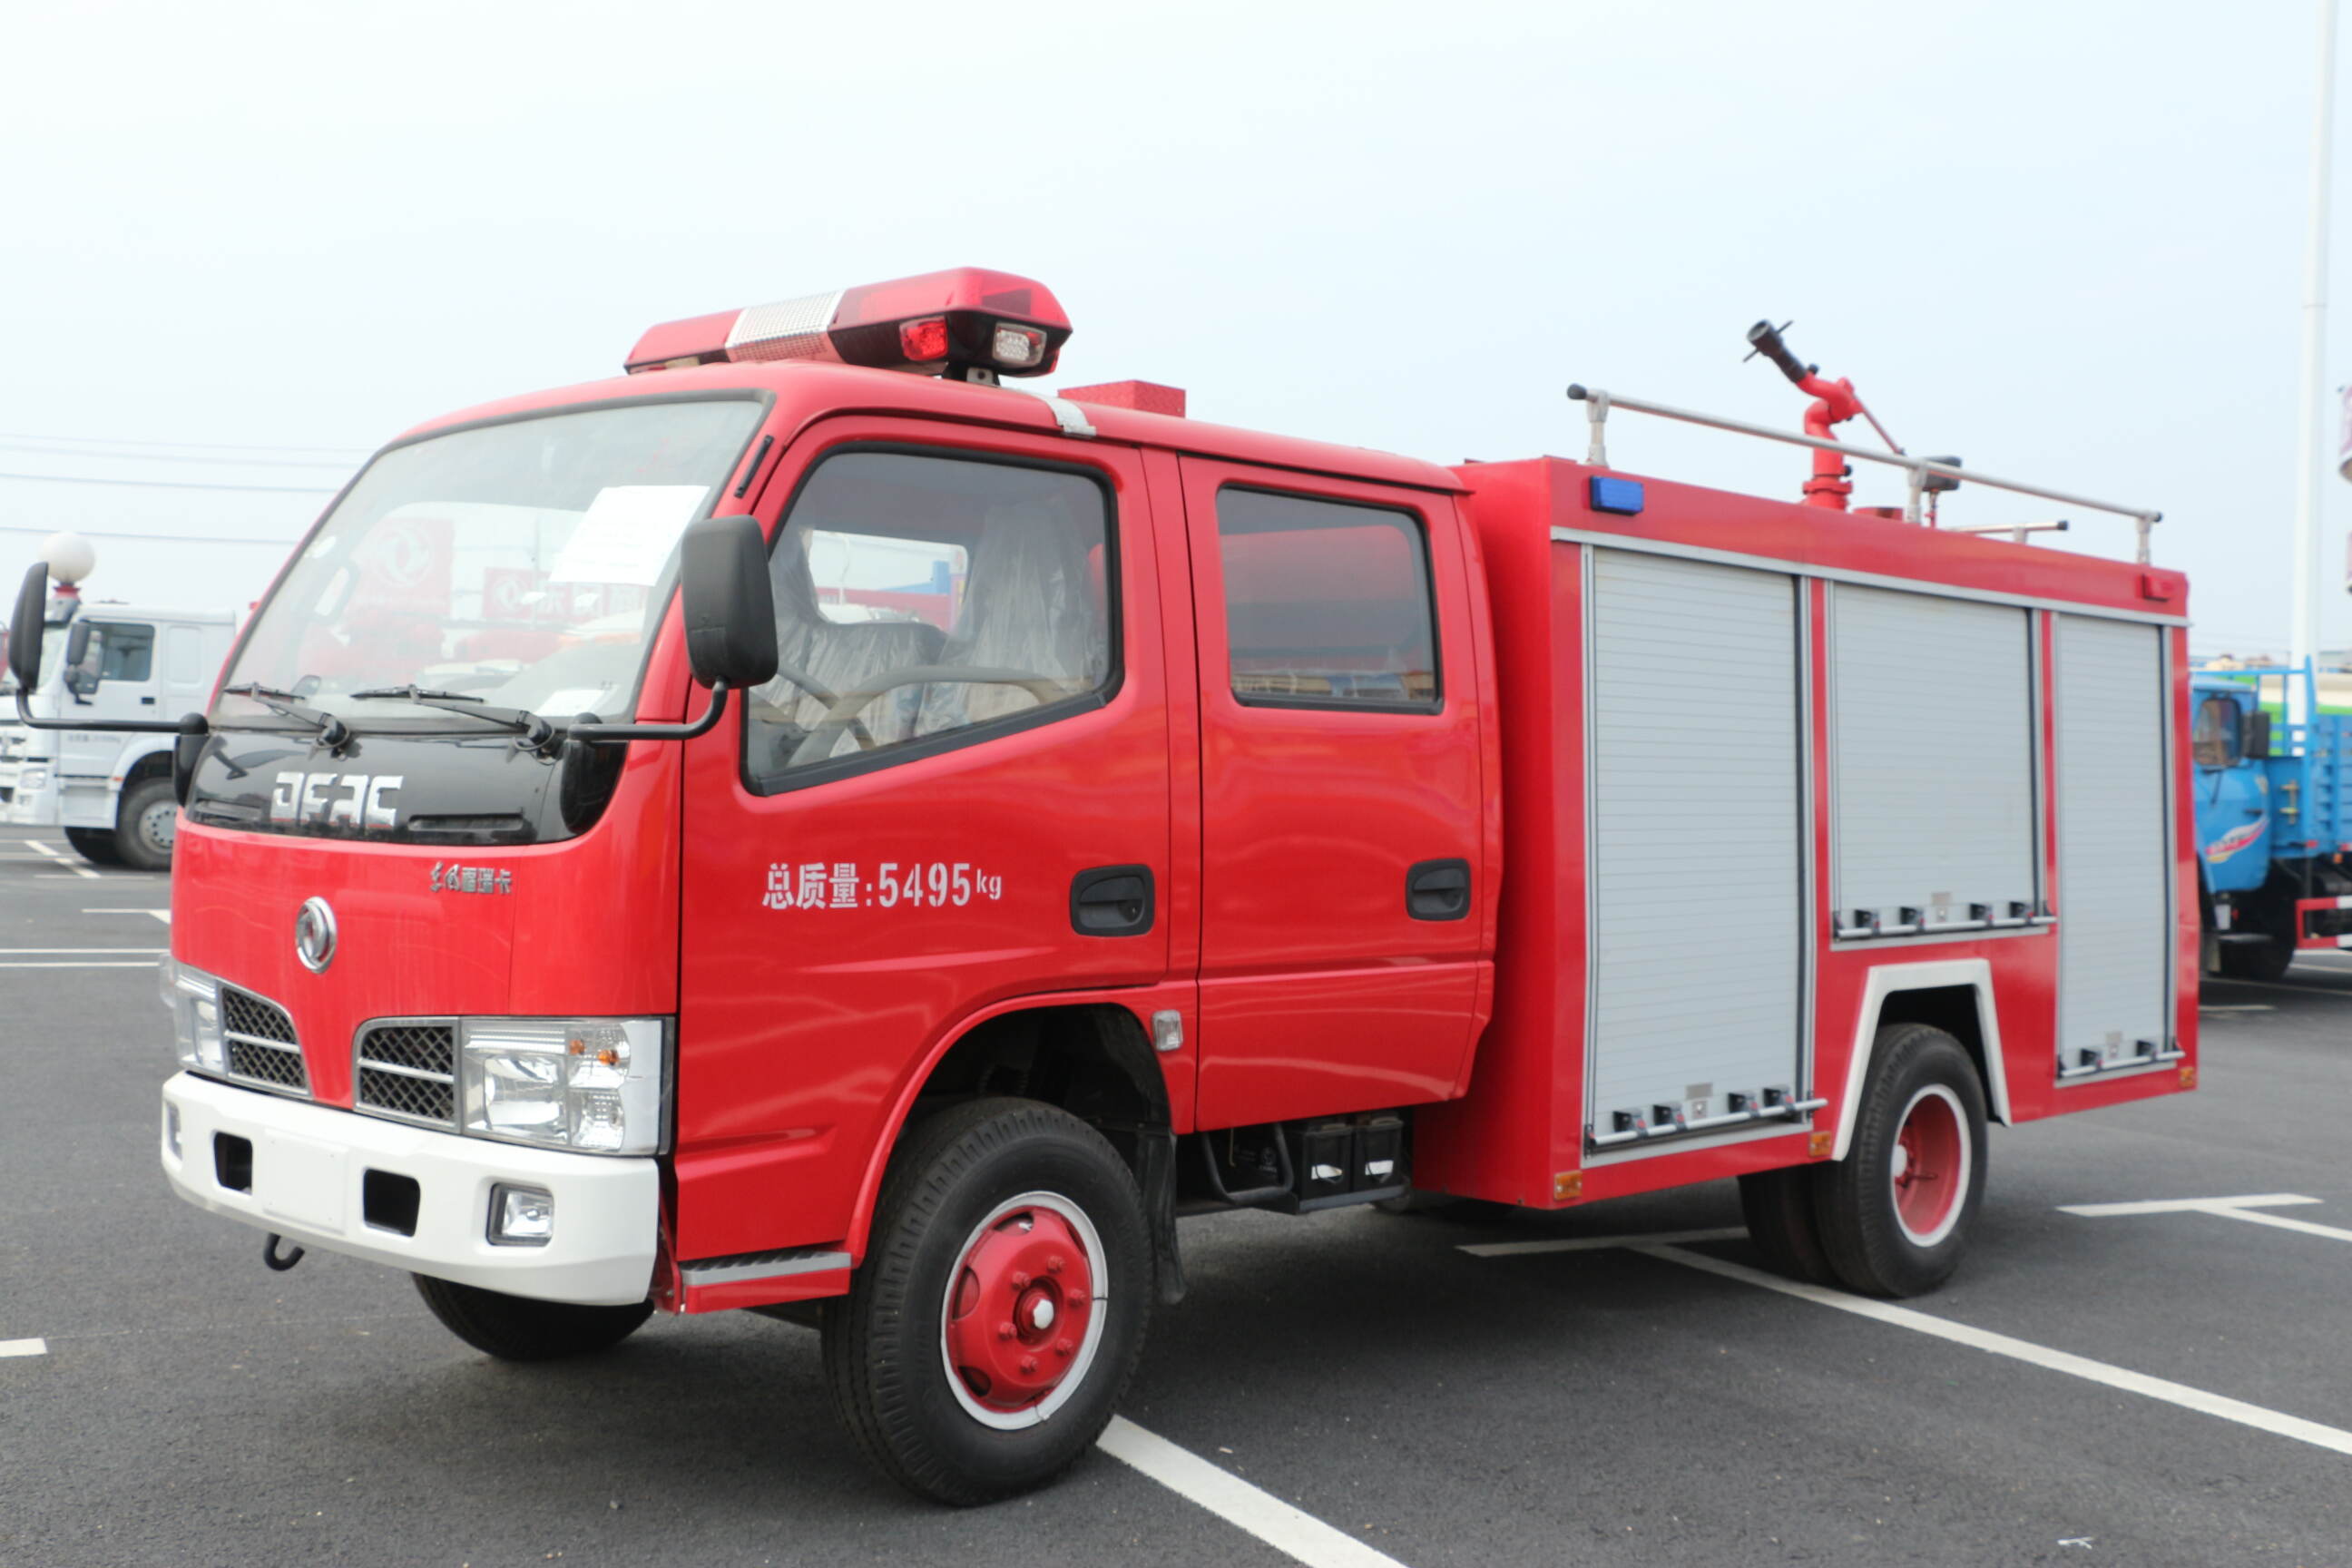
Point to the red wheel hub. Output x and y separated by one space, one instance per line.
1017 1313
1930 1167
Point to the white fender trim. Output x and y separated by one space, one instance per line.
1886 979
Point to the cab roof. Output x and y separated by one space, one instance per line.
805 392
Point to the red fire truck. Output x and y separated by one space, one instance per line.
777 831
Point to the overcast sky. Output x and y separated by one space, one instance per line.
2063 239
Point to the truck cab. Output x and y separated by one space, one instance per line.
110 791
2273 812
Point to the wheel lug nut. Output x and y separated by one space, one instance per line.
1028 1364
1004 1330
1021 1281
1065 1347
1053 1264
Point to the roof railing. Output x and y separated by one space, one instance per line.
1598 404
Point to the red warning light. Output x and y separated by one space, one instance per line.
925 340
964 321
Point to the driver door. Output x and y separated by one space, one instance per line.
955 793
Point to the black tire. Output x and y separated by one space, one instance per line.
2256 959
958 1181
144 825
517 1328
1779 1208
95 845
1914 1069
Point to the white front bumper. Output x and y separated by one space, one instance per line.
310 1163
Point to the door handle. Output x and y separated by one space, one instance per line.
147 702
1438 890
1111 900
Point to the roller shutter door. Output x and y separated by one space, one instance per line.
1933 704
2113 918
1695 873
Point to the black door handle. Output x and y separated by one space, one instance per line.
1111 900
1438 890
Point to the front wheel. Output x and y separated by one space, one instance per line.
145 824
518 1328
1896 1213
95 845
1002 1305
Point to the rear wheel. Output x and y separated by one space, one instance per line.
2256 959
1001 1306
1895 1214
144 825
95 845
517 1328
1779 1208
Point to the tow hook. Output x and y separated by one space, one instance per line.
274 1258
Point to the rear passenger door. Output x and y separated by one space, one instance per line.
1340 794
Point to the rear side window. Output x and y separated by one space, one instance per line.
1327 603
922 601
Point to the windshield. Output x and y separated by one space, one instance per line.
525 564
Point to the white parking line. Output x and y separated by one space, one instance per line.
2247 1209
24 1347
1238 1503
163 915
2333 1438
1596 1243
62 859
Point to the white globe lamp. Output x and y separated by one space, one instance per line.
70 557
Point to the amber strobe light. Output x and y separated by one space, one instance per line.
964 321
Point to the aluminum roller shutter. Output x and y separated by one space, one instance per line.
1932 700
2113 948
1695 876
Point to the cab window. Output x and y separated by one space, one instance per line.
1327 603
2215 740
117 651
925 601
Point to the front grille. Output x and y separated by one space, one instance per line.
408 1070
262 1046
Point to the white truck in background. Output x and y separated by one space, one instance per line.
110 793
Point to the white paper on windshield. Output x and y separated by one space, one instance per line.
626 533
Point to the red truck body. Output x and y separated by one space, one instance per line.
830 958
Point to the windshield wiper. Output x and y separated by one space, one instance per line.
535 730
332 729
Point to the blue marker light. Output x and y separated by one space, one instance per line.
1623 496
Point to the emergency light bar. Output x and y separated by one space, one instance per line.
968 324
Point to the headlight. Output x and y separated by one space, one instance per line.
33 779
194 998
590 1084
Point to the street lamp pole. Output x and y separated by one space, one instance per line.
2310 458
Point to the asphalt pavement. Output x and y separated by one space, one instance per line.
1441 1408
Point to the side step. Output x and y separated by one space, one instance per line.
1298 1167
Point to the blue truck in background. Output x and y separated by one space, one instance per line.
2273 821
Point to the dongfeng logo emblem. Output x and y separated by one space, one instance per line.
314 936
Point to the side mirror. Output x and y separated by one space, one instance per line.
2256 743
729 607
82 674
24 628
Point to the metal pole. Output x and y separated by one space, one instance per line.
2309 448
